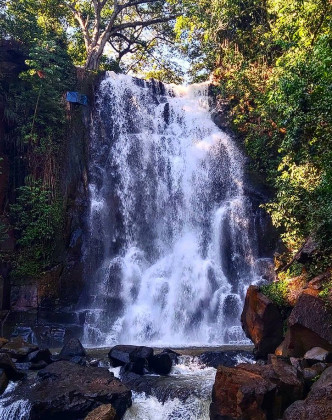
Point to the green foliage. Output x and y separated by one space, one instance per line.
272 61
38 219
326 293
36 126
277 292
3 231
29 20
294 270
37 103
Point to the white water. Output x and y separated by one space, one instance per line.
195 407
13 409
169 254
149 408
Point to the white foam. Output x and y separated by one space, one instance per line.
165 177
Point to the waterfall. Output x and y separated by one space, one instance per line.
170 248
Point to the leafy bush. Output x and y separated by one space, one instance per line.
38 221
277 292
326 293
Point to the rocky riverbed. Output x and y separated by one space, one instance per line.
286 375
73 382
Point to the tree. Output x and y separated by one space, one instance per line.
118 22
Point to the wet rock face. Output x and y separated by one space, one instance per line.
103 412
248 392
311 312
68 391
140 360
164 388
262 322
309 326
73 348
317 405
238 394
161 363
120 355
226 358
24 297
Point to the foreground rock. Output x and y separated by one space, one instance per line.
65 390
161 363
7 365
317 405
309 325
120 355
262 322
165 388
39 356
261 392
3 381
103 412
226 358
18 348
140 360
317 354
238 394
73 348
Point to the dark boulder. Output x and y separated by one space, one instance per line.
173 355
226 358
72 348
41 364
68 391
10 369
253 391
262 322
317 354
310 374
289 384
161 363
307 251
18 348
241 395
40 355
308 326
139 367
164 388
317 405
3 381
122 354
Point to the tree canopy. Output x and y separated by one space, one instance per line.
121 23
91 26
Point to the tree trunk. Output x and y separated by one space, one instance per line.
93 60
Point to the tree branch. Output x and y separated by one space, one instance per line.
136 3
143 23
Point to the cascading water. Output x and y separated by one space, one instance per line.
170 246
